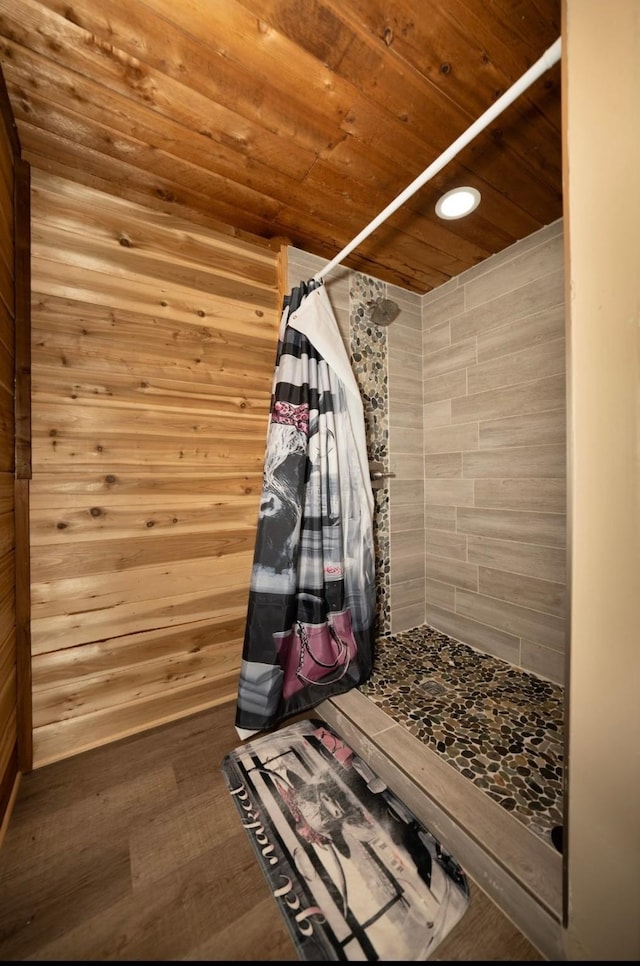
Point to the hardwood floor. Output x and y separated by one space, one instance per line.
135 851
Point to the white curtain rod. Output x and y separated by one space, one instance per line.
548 59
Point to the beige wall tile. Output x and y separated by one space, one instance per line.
443 543
548 495
547 529
446 492
509 504
436 338
408 593
530 266
409 318
518 461
403 568
520 558
439 517
456 572
545 661
405 491
534 297
404 339
514 336
448 386
406 466
404 618
442 466
437 413
407 360
449 304
452 439
453 357
533 396
489 639
543 595
528 364
406 543
405 390
406 439
442 595
519 621
532 429
537 238
406 413
406 516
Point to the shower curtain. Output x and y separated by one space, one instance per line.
311 611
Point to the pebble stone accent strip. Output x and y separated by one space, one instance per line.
368 348
499 726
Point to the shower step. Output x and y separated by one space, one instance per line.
513 866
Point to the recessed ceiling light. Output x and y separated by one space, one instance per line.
458 202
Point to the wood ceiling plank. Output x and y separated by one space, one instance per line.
205 49
437 93
76 56
105 140
331 203
515 140
297 121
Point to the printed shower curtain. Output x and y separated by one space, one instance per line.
311 612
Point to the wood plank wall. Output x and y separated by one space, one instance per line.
8 658
153 351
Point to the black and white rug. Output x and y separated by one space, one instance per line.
354 873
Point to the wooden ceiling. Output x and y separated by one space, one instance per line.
298 119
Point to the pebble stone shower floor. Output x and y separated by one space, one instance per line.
499 726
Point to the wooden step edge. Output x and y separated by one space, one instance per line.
515 868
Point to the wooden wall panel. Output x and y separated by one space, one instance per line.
153 350
8 646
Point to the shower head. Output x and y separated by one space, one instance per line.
382 311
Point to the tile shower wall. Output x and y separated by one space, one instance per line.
349 292
406 487
493 368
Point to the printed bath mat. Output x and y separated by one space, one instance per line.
354 873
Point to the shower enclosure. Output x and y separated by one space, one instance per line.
464 400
